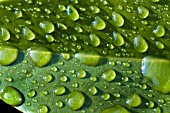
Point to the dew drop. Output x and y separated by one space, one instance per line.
59 90
72 13
93 90
43 109
159 45
155 0
143 12
47 26
41 56
61 26
98 23
89 59
81 73
157 70
115 109
118 20
18 13
8 55
59 104
31 93
48 78
49 38
66 56
140 44
109 75
76 100
159 31
4 34
95 9
28 33
118 39
12 96
95 40
150 104
62 7
64 79
134 100
105 96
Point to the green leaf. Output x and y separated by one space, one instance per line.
85 56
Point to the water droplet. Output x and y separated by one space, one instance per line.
115 109
105 96
72 13
134 100
48 78
159 31
109 75
75 84
9 79
12 96
118 39
93 90
89 59
81 73
18 13
157 70
28 33
155 0
143 12
98 23
59 104
62 7
61 26
64 78
157 110
95 40
59 90
47 26
45 92
150 104
93 78
66 56
49 38
95 9
8 55
40 56
43 109
140 44
118 20
76 100
159 45
4 34
31 93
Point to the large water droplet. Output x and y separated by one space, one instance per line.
118 39
47 26
76 100
140 44
60 90
134 100
89 59
95 40
143 12
72 13
115 109
159 31
43 109
158 71
98 23
109 75
28 33
40 56
8 55
118 20
4 34
12 96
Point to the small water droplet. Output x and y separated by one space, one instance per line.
48 78
12 96
98 23
159 31
47 26
64 78
118 20
76 100
105 96
109 75
150 104
28 33
49 38
93 90
95 40
159 45
81 73
4 34
59 104
31 93
43 109
140 44
143 12
66 56
59 90
18 13
72 13
94 9
118 39
134 100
